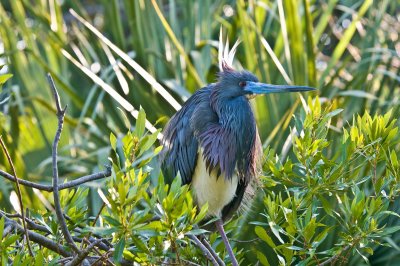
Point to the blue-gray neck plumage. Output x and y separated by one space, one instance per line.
232 144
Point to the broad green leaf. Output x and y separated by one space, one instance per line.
261 233
262 259
196 232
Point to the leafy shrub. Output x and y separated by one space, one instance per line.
331 208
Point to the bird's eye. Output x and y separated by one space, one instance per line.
242 84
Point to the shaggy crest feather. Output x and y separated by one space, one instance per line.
226 55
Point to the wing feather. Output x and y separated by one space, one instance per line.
180 139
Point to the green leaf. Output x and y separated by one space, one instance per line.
309 230
139 244
39 260
4 78
112 221
2 222
201 214
148 141
125 118
140 123
103 231
391 230
10 240
261 233
358 94
113 141
321 236
197 232
326 204
294 248
262 259
119 249
334 113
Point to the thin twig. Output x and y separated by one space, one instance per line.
205 251
69 184
333 258
37 227
95 219
246 241
102 256
78 230
87 178
83 254
188 262
57 204
38 238
30 223
64 260
100 245
6 231
98 214
18 193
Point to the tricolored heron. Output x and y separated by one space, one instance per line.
213 143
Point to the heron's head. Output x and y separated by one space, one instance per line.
232 84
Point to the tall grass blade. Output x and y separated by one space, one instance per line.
177 44
344 41
149 78
111 91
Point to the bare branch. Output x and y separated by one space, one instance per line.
32 225
188 262
87 178
18 193
25 182
91 240
38 238
7 230
57 204
82 255
69 184
103 256
334 258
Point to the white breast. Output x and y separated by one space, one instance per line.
207 188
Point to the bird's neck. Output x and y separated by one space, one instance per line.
236 115
238 125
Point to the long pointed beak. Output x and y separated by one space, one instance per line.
262 88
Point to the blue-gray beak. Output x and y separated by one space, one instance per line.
262 88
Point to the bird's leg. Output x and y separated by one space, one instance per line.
205 250
220 227
212 251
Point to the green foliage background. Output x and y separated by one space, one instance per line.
347 49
